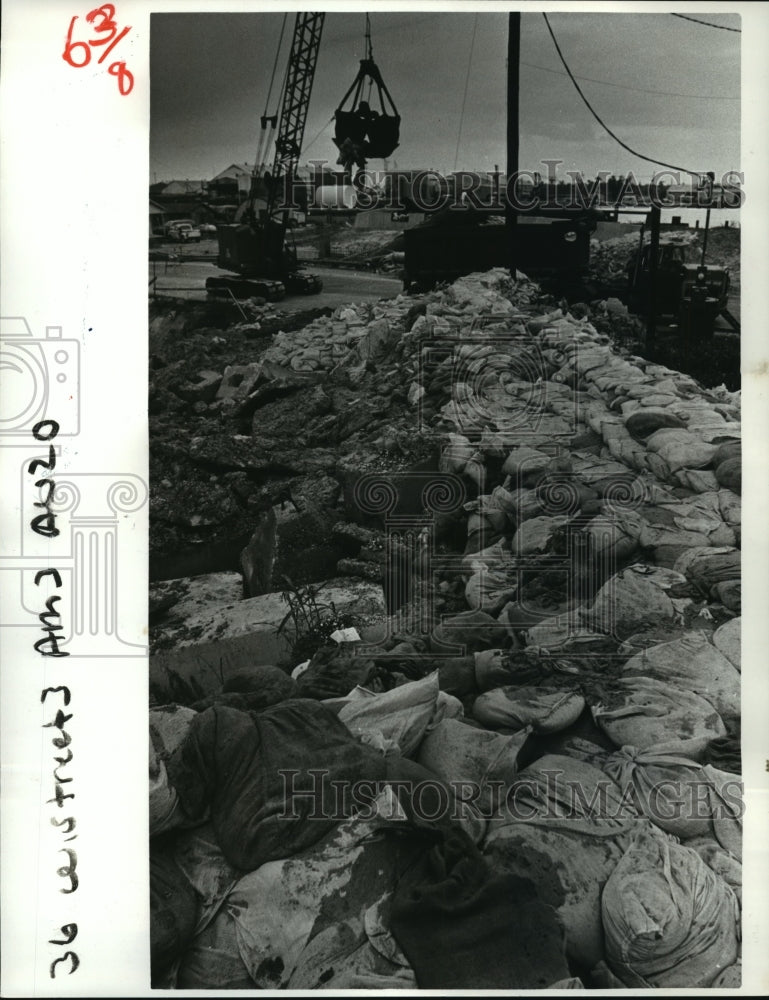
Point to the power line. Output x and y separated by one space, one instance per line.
316 137
708 24
601 122
624 86
464 96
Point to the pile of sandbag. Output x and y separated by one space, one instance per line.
551 797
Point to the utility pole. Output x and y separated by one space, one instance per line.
513 130
654 252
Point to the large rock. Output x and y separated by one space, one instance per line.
214 644
178 600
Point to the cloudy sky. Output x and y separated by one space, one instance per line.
668 87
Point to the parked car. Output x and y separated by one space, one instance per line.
207 229
170 226
185 232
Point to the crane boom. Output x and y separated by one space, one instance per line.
296 100
255 247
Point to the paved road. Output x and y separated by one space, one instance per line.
187 280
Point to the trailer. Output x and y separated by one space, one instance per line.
442 252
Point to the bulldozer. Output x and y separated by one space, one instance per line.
693 295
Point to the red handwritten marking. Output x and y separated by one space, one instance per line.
112 44
78 53
123 74
70 46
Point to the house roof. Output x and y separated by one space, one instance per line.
234 171
183 187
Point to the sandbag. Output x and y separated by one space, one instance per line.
729 979
670 921
724 864
564 634
164 802
681 449
679 795
265 777
480 765
523 613
253 689
655 536
456 676
565 827
728 808
725 753
533 536
707 570
401 716
525 465
699 480
730 505
729 474
644 422
213 960
173 911
727 450
729 593
692 555
200 858
489 590
464 925
468 632
546 710
378 963
726 639
492 669
693 664
643 712
481 554
525 504
301 920
627 601
456 454
614 536
333 672
168 727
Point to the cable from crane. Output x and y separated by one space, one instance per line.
317 136
464 96
275 63
594 113
268 121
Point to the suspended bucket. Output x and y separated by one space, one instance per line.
364 132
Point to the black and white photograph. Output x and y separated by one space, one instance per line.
373 576
445 511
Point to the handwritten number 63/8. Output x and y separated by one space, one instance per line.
78 54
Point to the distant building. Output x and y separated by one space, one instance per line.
157 217
184 189
231 184
180 199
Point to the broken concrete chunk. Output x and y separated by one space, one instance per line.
239 380
204 390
